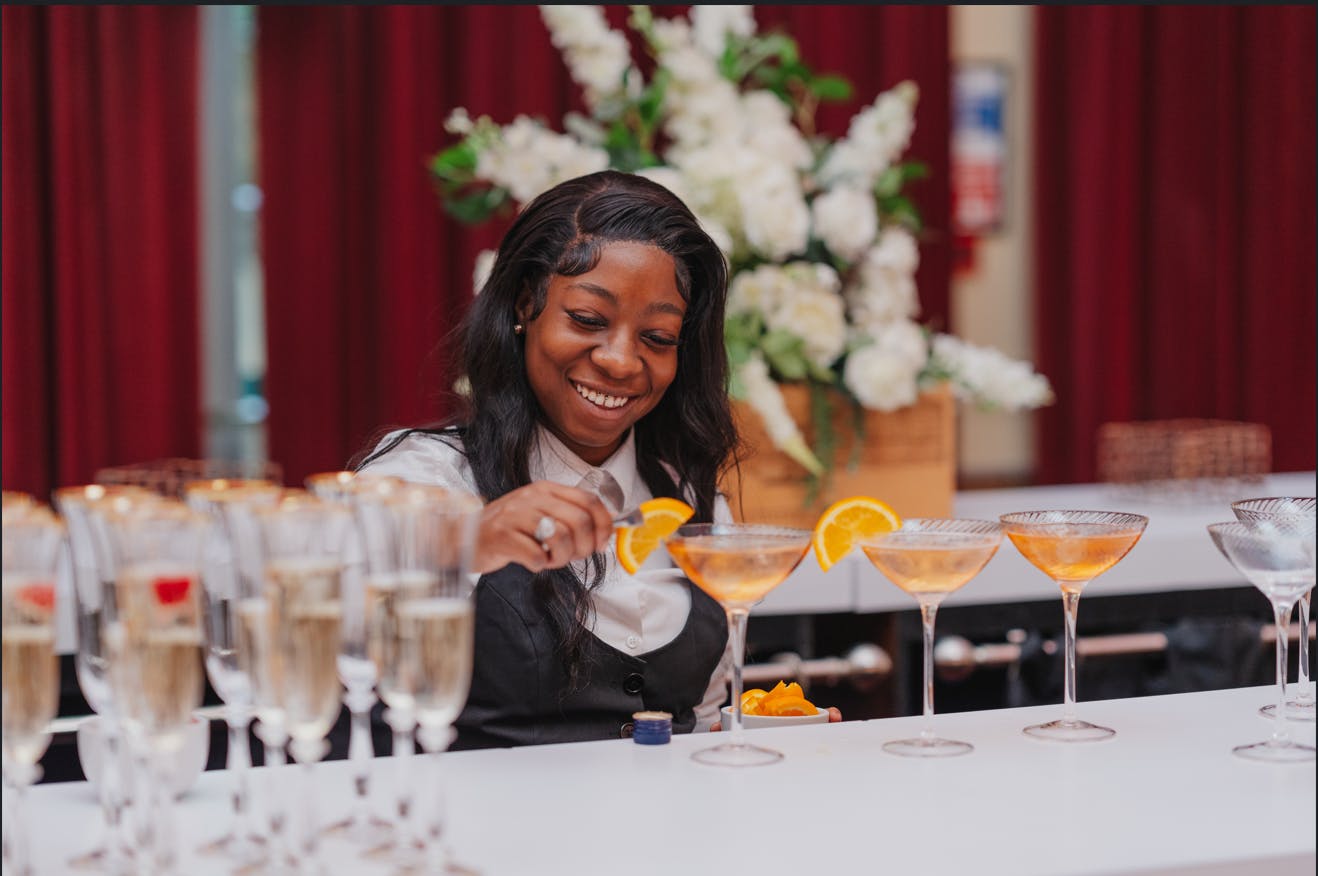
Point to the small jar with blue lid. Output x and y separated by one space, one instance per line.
652 728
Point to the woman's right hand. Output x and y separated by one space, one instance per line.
582 526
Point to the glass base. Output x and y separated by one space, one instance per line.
100 858
1275 752
370 832
928 747
1296 710
1069 731
736 755
244 850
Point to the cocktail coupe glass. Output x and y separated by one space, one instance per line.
1299 508
151 624
1072 548
930 558
356 670
737 564
302 540
1277 556
33 537
92 572
231 575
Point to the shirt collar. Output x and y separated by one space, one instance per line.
553 461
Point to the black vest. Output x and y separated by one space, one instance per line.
519 686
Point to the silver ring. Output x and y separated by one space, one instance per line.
544 531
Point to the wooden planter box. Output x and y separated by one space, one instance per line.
908 460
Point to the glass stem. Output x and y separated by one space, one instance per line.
361 750
1305 682
239 761
928 611
1071 607
404 749
16 849
113 798
306 755
436 740
737 618
164 850
1283 615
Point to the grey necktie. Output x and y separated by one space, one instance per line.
606 486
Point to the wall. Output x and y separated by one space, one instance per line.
991 305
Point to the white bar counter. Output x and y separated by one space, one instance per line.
1165 796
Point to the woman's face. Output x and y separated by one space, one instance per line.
604 349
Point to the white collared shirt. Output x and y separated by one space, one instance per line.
634 614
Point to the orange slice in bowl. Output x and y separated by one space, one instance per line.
786 707
750 701
660 518
847 520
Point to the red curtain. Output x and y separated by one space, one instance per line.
99 240
364 272
1175 216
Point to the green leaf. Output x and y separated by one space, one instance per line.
789 364
458 160
830 88
821 416
477 207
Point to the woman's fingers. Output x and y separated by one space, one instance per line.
542 526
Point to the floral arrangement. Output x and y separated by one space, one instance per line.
820 237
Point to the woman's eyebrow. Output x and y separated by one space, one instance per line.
601 292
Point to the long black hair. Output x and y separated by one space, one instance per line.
563 232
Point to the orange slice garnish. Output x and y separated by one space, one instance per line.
750 701
786 707
660 518
847 520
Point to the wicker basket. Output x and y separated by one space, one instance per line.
908 461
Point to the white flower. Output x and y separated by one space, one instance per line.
764 396
598 57
875 137
990 378
528 158
711 26
817 318
880 380
774 215
896 250
878 295
901 338
846 220
481 273
458 122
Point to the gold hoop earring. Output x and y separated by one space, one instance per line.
518 328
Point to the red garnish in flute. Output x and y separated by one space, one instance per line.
41 596
172 590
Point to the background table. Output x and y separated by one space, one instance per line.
1165 796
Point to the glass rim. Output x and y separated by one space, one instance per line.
689 530
1118 518
973 532
1254 505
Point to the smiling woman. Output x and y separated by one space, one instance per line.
595 358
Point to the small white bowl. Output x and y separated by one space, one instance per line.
188 764
751 722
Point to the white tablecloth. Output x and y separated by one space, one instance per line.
1164 796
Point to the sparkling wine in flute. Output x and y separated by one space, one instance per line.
305 620
738 571
256 658
385 595
156 648
31 686
435 655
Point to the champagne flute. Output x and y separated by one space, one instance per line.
1301 508
356 670
1072 548
737 564
435 537
397 573
1277 556
92 571
302 540
228 579
930 558
152 628
32 540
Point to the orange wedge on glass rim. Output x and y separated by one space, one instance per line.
660 518
846 521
